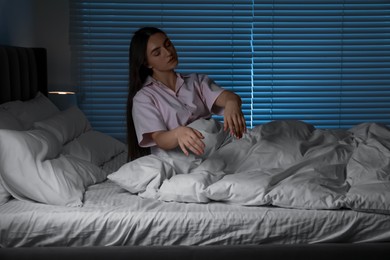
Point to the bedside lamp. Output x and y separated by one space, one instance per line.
63 99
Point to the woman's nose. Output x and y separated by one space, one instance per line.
167 51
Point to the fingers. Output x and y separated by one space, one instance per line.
195 144
242 125
236 125
183 148
191 140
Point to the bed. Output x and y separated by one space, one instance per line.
63 196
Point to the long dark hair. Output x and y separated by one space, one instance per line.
138 72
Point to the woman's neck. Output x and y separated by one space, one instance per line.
167 78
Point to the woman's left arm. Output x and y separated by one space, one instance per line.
233 117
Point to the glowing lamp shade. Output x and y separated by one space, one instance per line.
63 99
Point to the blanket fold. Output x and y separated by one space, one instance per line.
282 163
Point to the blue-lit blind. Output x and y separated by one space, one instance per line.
326 62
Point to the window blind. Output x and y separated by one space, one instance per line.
326 62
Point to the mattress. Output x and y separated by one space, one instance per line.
112 216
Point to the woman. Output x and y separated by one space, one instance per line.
161 103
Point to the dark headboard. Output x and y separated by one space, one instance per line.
23 72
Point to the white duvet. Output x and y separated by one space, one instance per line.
282 163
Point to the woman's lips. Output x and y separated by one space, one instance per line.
172 59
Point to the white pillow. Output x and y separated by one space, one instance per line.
11 104
32 170
32 110
95 147
4 194
66 125
8 121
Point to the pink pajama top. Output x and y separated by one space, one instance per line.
158 108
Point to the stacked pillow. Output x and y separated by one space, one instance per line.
50 156
34 169
7 121
32 110
78 139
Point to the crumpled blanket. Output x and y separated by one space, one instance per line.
282 163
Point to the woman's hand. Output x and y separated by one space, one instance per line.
234 120
190 138
187 138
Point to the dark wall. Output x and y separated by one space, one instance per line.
40 23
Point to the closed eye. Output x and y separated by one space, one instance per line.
168 43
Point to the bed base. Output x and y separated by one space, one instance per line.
375 251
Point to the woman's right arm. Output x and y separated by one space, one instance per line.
186 138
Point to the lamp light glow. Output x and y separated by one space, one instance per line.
63 99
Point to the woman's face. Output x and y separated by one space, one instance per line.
160 53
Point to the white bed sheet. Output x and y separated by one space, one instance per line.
112 216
